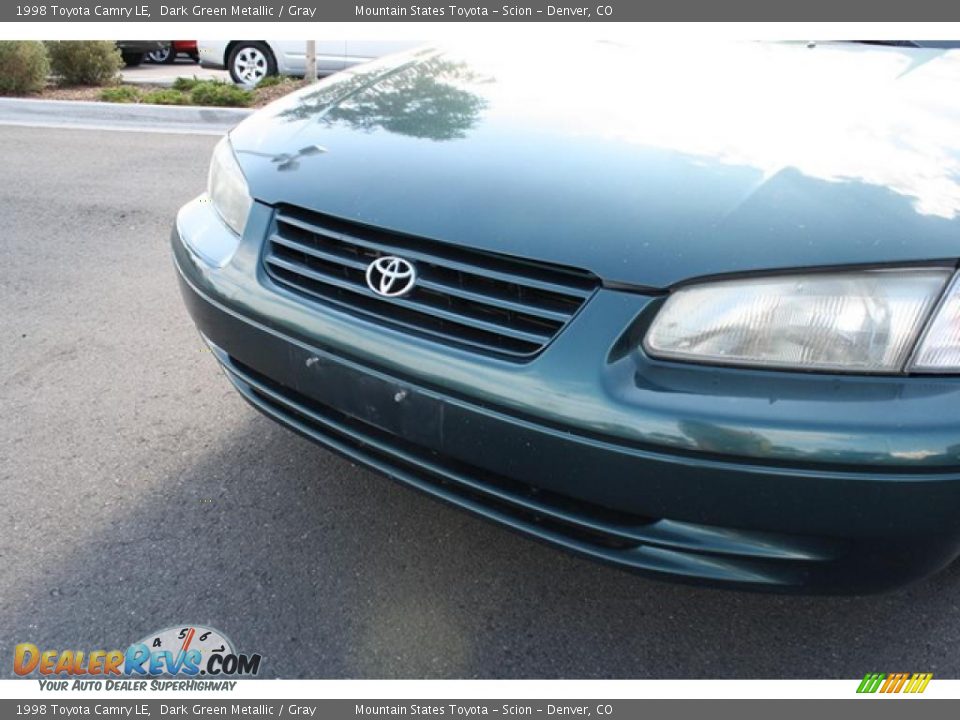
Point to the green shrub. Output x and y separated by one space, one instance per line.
84 62
120 94
165 96
211 92
186 84
271 80
25 67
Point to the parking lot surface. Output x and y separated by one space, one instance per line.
140 492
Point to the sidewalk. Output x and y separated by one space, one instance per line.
165 75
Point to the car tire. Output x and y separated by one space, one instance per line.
250 62
164 56
132 59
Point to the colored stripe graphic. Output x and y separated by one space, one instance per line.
895 682
918 683
871 681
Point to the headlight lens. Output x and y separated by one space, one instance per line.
866 321
939 349
228 188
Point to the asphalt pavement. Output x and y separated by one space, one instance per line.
138 491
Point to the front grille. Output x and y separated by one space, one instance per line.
484 301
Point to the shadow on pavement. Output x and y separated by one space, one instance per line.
331 571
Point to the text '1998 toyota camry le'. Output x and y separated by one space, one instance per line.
691 311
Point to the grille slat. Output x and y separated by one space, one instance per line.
496 302
485 301
318 253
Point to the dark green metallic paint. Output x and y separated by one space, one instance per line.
854 478
647 170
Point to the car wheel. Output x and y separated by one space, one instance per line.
132 59
251 62
165 55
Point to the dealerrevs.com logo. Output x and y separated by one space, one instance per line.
186 653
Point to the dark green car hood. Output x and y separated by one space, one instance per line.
645 166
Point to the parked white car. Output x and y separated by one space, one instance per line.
249 61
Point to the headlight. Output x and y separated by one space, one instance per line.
228 188
865 321
939 349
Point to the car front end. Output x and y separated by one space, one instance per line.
641 333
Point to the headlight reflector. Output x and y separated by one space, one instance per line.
861 321
939 349
228 188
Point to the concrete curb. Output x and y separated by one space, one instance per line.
119 116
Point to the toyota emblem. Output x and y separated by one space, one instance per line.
391 276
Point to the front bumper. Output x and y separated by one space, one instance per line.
742 478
